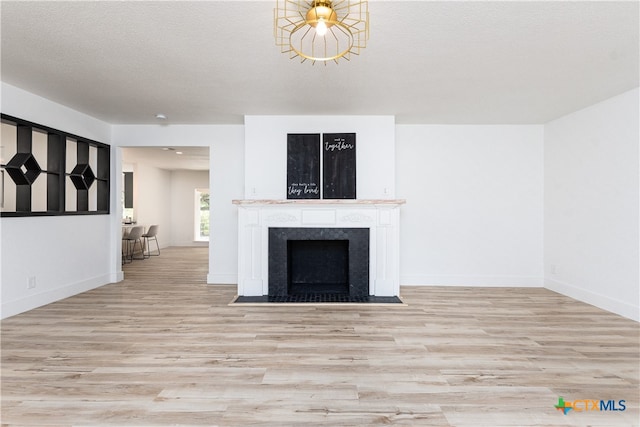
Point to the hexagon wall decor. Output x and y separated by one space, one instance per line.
23 169
31 145
82 177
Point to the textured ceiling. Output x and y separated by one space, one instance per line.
426 61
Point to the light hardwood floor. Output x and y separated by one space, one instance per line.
164 348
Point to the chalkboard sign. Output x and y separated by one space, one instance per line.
303 166
339 165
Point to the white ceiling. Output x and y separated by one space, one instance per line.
169 158
212 62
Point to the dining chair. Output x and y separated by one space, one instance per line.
151 234
132 239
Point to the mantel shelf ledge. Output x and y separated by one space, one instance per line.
319 202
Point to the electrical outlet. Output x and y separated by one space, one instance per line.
554 269
32 282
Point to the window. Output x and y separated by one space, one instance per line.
201 231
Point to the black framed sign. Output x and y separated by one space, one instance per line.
303 166
339 165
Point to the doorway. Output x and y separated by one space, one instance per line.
163 181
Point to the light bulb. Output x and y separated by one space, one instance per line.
321 28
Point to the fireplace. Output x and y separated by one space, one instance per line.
370 229
306 261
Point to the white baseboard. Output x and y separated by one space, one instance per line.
480 281
605 302
222 279
11 308
116 277
186 243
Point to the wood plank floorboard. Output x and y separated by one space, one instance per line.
164 348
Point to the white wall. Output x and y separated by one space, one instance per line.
152 199
166 198
226 184
27 106
474 205
183 185
65 254
591 205
266 152
226 181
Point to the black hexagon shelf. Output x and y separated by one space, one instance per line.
23 169
82 176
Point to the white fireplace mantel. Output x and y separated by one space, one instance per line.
320 202
381 217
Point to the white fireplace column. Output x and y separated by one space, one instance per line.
381 217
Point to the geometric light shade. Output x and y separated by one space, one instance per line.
321 30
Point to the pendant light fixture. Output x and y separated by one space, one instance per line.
321 30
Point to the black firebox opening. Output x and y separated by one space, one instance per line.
346 268
318 267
